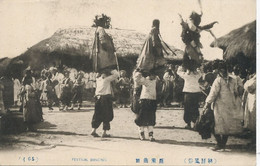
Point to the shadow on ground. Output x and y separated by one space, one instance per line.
59 133
233 148
46 125
72 111
170 127
127 138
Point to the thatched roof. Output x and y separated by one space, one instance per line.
4 62
241 41
8 64
80 39
72 47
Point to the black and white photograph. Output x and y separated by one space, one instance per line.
128 82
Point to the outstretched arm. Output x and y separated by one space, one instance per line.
114 76
181 72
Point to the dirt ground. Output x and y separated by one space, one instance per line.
64 138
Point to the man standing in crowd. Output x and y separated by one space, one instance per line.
104 104
228 114
146 114
32 109
167 88
77 91
66 91
249 105
192 93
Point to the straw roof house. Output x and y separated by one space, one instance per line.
239 45
73 46
127 42
4 62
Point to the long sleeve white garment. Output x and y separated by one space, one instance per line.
191 81
148 88
104 84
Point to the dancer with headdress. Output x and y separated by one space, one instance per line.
191 37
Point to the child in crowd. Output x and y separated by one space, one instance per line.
77 91
124 86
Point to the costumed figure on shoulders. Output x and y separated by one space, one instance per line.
103 52
151 56
104 63
191 37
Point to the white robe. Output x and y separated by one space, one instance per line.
250 104
17 89
228 112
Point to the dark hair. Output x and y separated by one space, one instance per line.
196 18
106 72
27 80
28 72
100 22
191 65
145 73
48 75
222 65
236 70
156 23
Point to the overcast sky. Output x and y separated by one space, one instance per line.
27 22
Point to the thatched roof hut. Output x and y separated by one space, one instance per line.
127 42
239 45
10 67
72 47
4 62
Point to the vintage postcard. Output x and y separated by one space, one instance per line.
128 82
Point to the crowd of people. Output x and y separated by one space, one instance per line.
221 88
221 85
224 93
67 88
58 88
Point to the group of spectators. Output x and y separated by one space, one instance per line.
50 88
59 88
228 97
222 89
228 93
67 88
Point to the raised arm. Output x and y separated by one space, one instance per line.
250 85
114 75
181 72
